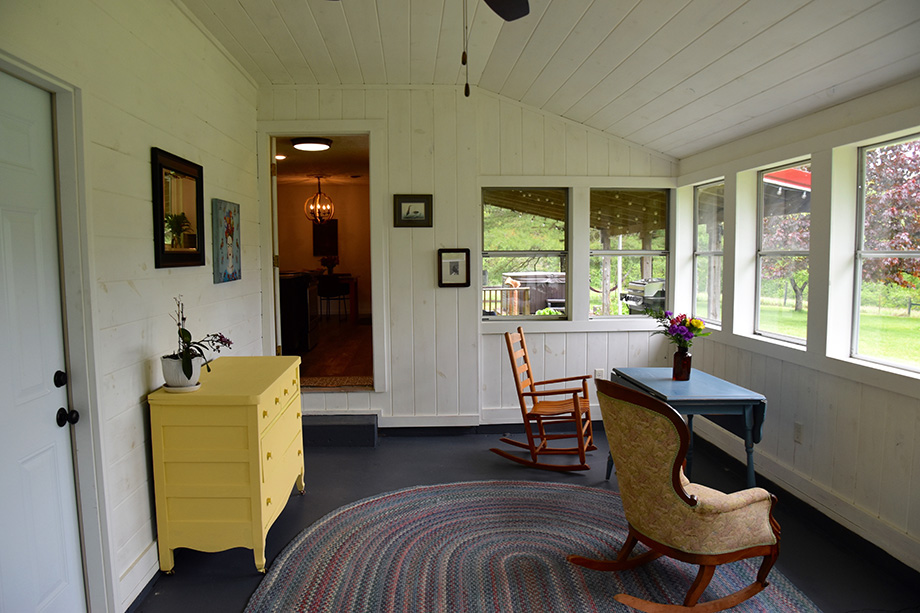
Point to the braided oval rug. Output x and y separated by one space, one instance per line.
484 546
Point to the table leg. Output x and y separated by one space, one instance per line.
353 302
749 443
689 468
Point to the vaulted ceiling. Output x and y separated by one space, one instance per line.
676 76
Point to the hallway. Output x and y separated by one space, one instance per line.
342 358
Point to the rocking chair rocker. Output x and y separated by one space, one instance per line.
572 409
671 516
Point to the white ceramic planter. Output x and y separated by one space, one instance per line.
175 378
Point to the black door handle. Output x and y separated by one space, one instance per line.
65 417
60 378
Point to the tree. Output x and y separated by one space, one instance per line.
892 212
786 226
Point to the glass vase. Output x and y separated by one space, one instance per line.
681 369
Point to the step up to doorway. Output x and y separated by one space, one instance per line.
340 430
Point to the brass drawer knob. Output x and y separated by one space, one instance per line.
268 456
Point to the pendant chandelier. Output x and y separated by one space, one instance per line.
319 208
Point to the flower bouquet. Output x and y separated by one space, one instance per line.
680 330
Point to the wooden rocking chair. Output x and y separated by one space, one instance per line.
572 409
671 516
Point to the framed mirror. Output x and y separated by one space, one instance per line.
178 210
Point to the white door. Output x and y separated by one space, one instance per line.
40 561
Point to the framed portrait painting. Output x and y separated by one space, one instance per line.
225 219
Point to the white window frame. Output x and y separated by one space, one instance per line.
565 254
862 254
763 253
697 252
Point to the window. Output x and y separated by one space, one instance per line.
887 314
709 216
524 251
628 251
782 255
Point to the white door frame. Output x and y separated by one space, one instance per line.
76 291
379 215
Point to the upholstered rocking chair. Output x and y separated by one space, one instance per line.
671 516
548 407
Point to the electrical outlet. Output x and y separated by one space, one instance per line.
599 373
797 432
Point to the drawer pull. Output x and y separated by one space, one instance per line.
268 501
298 415
268 456
293 381
277 400
285 392
300 452
264 414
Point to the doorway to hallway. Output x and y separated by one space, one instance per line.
333 337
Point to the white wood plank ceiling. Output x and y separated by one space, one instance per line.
677 76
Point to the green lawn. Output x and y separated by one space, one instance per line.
887 337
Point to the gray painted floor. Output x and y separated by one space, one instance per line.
837 570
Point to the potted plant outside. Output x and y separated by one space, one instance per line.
182 368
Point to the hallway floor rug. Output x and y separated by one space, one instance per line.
337 381
484 546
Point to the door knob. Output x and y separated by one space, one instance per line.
60 378
65 417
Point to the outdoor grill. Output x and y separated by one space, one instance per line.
644 294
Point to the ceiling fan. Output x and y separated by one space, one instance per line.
509 10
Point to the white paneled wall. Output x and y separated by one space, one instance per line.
857 462
148 77
554 355
441 143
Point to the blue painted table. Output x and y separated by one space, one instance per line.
703 394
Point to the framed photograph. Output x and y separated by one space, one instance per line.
178 210
411 211
225 221
453 267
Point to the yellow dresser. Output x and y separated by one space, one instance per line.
225 456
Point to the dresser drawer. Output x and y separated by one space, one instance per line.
285 389
278 439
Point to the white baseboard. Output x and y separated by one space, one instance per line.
871 527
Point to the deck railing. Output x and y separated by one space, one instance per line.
506 300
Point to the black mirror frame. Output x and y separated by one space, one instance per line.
162 160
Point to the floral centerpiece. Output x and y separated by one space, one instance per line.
329 262
680 330
189 349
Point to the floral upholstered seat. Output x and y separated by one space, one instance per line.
669 514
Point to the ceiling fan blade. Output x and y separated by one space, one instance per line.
509 10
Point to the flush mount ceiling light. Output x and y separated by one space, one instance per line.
319 208
311 143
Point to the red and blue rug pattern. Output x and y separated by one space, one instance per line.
485 546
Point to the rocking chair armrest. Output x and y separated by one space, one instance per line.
564 379
713 501
568 391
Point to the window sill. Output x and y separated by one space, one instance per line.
619 324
